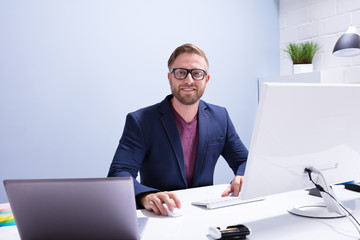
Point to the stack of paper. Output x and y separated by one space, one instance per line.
6 217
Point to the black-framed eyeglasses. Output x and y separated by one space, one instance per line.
181 73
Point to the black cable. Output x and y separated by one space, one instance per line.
321 189
342 206
318 187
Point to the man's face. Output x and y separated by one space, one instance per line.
188 91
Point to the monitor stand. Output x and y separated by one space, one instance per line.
330 208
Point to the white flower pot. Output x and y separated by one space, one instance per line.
302 68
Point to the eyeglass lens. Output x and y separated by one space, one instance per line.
196 74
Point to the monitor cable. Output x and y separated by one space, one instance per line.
352 219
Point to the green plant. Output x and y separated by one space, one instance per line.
302 53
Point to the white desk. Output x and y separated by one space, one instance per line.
267 219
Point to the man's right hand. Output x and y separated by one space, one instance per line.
154 202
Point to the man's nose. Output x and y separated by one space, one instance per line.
189 78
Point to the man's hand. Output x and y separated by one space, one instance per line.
234 187
154 202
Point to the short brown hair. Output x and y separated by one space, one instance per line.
186 48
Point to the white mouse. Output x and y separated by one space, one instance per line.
215 232
177 212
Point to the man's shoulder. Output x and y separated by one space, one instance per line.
155 108
147 108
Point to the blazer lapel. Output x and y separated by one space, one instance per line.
171 130
203 122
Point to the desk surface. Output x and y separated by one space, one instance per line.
267 219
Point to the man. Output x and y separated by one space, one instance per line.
176 143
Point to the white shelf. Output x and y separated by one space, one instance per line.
327 76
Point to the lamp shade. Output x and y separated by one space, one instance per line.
348 44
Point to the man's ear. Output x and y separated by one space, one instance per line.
207 79
169 78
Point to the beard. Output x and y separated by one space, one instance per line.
187 98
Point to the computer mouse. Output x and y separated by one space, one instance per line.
215 232
177 212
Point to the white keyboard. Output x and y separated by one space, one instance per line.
223 202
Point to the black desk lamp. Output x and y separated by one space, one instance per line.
348 44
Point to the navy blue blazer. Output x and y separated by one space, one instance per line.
151 144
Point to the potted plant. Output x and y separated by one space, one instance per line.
302 55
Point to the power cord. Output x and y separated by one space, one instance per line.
352 219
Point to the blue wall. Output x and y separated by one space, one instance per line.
70 71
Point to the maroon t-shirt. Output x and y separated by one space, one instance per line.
189 140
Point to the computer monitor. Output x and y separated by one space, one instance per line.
299 126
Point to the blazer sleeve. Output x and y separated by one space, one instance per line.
130 154
234 151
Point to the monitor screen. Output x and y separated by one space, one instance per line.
300 125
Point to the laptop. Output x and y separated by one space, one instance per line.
80 208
